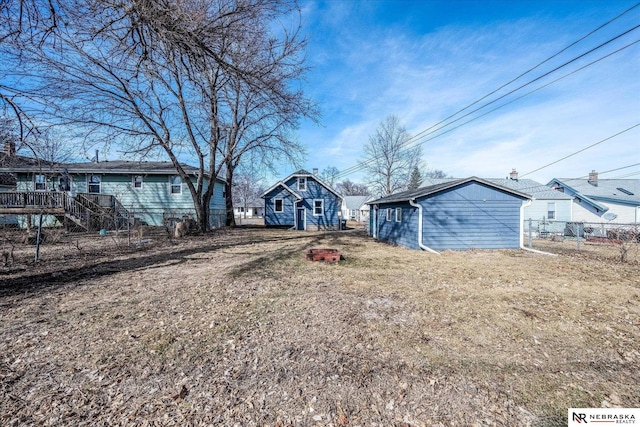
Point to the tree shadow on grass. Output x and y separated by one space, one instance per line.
270 259
29 285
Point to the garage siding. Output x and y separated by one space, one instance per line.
471 216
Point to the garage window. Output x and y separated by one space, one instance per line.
398 214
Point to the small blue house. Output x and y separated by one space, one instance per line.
462 214
303 202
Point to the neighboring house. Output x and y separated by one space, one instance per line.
253 209
615 201
302 201
461 214
549 209
145 192
7 183
355 208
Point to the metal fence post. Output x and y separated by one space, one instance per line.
530 241
577 227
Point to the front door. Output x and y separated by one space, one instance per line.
301 219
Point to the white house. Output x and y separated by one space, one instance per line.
615 201
355 208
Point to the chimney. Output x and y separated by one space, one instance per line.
593 178
96 159
514 174
10 148
315 171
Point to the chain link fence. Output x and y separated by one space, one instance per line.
596 240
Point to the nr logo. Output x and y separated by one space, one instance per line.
580 418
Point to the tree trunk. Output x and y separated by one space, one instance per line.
202 214
228 200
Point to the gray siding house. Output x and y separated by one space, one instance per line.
147 192
613 201
303 202
462 214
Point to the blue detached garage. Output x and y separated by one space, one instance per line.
302 201
462 214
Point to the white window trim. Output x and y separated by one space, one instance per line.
282 205
302 180
389 214
133 182
398 214
171 185
321 207
89 184
43 183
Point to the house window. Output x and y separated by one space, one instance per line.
389 213
93 184
302 183
398 214
176 184
318 207
64 183
137 182
40 182
278 206
551 211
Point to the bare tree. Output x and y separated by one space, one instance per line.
150 75
387 161
51 147
329 175
349 188
257 123
247 186
436 173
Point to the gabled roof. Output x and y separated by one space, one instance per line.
305 173
625 191
437 188
283 185
355 202
534 188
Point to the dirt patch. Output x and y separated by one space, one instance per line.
237 328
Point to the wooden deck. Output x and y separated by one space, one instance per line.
33 202
85 210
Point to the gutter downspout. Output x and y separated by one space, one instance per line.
373 220
413 203
522 246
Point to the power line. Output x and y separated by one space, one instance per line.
423 140
583 149
418 136
626 175
531 69
602 172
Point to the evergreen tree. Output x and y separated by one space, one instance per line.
415 181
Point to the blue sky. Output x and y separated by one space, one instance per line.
425 60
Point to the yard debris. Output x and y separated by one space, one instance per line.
235 328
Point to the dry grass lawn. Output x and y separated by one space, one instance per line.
236 328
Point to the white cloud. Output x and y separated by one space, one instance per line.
425 78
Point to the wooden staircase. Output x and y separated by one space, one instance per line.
87 212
